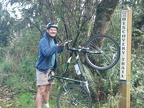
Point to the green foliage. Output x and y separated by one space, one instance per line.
6 23
7 62
6 66
137 97
10 80
24 100
27 69
113 28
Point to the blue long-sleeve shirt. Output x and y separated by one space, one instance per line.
47 54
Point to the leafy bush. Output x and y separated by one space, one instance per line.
24 100
27 68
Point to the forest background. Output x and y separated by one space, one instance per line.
19 37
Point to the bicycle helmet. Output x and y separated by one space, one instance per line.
52 24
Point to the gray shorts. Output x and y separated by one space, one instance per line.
42 78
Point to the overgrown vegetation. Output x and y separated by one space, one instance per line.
18 57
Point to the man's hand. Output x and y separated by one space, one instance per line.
64 43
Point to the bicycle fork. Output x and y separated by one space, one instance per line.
85 85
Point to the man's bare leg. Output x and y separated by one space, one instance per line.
47 93
39 96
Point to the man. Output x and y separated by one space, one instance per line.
46 63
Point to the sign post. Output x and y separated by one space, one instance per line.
125 59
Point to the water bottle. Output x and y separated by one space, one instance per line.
78 72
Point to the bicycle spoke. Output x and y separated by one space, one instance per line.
106 52
74 97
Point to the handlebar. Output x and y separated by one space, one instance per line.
79 49
82 49
67 41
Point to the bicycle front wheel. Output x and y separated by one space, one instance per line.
73 96
103 53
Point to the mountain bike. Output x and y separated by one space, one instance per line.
74 93
101 52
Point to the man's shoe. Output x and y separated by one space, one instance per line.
46 105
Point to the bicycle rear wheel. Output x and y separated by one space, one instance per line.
103 53
73 96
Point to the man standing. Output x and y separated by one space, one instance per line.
46 63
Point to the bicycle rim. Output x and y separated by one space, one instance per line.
108 52
73 96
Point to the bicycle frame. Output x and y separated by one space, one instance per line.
63 77
67 65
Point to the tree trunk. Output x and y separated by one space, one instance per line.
87 12
104 11
87 17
